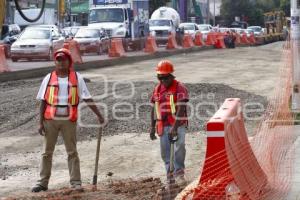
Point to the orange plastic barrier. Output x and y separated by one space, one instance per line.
244 39
3 63
151 46
220 44
251 39
199 39
238 38
227 144
210 40
116 48
172 44
187 41
74 48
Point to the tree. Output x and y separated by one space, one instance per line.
285 6
154 4
240 8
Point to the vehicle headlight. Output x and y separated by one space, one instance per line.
121 26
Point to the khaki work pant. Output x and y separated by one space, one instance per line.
68 133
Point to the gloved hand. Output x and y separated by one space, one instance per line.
173 136
152 133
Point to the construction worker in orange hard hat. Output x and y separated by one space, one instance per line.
169 120
60 94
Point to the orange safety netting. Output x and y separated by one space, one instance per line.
260 168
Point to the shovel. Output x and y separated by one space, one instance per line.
95 177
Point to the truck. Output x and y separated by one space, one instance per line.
164 21
48 17
125 19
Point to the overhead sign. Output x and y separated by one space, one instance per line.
105 2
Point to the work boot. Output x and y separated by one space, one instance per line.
76 187
180 181
39 188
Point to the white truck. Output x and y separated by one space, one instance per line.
126 19
48 17
163 21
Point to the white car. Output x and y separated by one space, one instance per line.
205 29
36 43
190 28
258 30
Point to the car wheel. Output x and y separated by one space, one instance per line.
14 59
50 55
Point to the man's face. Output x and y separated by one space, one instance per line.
62 63
165 79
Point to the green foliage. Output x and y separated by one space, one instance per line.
252 10
285 6
154 4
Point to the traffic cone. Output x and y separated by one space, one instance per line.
172 44
187 41
210 39
220 42
199 39
3 62
116 48
252 39
151 46
244 39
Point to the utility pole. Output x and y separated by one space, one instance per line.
207 11
295 47
214 12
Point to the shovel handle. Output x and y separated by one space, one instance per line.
97 157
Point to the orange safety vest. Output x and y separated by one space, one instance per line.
170 108
51 96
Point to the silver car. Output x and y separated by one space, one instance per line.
36 43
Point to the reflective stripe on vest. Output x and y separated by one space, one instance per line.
51 96
157 110
172 104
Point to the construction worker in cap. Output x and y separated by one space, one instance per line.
60 94
169 119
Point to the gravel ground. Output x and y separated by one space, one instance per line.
19 109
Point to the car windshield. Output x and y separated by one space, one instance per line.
74 31
188 26
203 28
106 15
255 29
35 34
159 23
87 33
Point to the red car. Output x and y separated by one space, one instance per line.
92 40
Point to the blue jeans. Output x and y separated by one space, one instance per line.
179 150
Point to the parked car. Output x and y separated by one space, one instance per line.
92 40
205 29
36 43
257 30
70 32
190 28
249 31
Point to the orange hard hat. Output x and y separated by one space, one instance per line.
64 53
164 67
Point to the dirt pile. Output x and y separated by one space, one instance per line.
127 189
